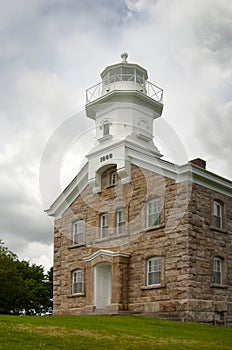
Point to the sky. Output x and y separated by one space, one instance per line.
52 51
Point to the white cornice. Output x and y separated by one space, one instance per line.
179 173
106 253
210 180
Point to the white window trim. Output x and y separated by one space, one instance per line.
77 282
121 222
156 201
104 225
77 232
156 271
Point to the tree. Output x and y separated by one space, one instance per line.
9 280
23 287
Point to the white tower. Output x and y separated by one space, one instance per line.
123 105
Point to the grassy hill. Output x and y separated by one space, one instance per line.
108 332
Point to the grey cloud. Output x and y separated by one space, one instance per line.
74 135
214 31
214 135
53 50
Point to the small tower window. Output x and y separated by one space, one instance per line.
113 178
106 128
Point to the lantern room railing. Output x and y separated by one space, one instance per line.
150 89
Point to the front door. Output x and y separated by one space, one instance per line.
102 285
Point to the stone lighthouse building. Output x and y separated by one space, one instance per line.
135 233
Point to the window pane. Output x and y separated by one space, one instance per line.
128 70
217 209
115 74
154 278
153 220
121 227
104 232
217 277
78 238
117 70
139 77
217 222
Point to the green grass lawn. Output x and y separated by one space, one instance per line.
108 332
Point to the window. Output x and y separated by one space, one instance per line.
78 232
104 225
121 223
106 128
77 282
217 270
153 271
153 212
113 178
217 214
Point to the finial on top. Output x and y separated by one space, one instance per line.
124 56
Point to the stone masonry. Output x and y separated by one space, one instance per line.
185 239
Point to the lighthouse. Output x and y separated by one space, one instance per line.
123 105
134 233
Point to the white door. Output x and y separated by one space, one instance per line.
102 285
